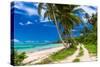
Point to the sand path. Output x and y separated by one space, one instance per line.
86 56
37 56
72 57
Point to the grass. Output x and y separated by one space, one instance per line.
60 55
77 60
92 48
17 58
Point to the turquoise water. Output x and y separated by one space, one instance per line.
31 47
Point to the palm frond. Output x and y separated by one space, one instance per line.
76 19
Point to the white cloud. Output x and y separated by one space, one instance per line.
84 20
87 10
28 22
21 23
30 11
19 12
81 34
18 5
36 4
42 12
15 40
42 20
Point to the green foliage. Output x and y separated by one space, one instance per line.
90 37
62 54
17 58
90 42
62 15
92 48
77 60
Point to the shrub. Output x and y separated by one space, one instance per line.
17 58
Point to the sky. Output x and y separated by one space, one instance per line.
29 26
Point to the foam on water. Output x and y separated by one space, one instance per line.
31 47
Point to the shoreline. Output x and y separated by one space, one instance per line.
35 56
31 50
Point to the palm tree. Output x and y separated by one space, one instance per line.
90 35
60 14
93 21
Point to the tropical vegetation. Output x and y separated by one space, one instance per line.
63 16
17 58
58 56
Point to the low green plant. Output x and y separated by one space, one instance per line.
77 60
62 54
17 58
92 48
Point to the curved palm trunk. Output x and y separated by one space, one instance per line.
55 21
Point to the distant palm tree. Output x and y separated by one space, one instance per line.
90 35
93 21
60 14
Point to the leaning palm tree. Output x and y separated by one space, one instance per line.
61 15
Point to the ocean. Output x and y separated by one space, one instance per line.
32 47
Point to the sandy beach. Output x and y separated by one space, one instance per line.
39 55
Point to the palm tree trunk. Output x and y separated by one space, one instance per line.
55 21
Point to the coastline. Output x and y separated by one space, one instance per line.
35 56
37 48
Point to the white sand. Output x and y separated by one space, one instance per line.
35 56
39 55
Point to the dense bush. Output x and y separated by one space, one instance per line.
17 58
